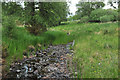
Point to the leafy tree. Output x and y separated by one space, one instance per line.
37 15
84 19
85 8
11 8
96 14
44 15
113 13
111 3
119 11
105 18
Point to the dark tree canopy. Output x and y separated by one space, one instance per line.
37 15
11 8
46 14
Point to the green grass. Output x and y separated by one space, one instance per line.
95 50
17 45
0 34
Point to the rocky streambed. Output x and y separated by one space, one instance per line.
48 63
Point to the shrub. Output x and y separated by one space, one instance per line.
112 18
118 17
9 27
84 19
105 18
97 14
113 13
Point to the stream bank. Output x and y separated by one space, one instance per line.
48 63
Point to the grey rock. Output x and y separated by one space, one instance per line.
18 71
46 63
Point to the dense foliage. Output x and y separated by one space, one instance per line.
85 8
84 19
94 12
37 15
9 27
44 15
98 13
12 8
105 18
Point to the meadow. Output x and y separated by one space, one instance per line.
95 49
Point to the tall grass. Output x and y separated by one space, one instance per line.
96 49
16 46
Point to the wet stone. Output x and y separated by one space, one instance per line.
47 63
18 71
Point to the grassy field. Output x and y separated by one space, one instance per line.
95 49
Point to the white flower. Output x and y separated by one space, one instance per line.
99 63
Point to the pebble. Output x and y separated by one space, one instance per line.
44 65
18 71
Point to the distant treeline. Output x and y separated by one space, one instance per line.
94 12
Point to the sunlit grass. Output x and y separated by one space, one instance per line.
24 39
96 48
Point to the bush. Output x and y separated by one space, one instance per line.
105 18
118 17
97 14
113 13
9 27
84 19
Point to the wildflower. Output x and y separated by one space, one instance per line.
99 63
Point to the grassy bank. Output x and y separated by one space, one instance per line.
96 46
96 49
16 46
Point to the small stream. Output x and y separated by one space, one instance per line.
47 63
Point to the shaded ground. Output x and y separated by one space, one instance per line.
48 63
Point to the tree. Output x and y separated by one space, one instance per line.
85 8
11 8
37 15
103 13
44 15
113 3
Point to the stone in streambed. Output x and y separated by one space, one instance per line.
39 45
18 71
25 53
45 53
31 48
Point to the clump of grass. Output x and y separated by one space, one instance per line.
23 39
96 48
95 58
